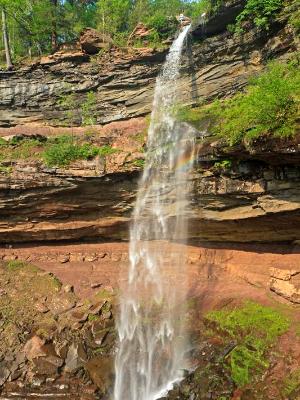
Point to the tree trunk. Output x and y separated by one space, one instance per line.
54 41
6 41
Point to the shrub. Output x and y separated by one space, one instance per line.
255 328
269 106
260 12
19 148
3 142
295 20
88 109
69 103
106 150
26 149
64 149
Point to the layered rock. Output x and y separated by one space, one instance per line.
123 80
254 197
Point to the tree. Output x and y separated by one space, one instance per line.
54 41
9 64
114 15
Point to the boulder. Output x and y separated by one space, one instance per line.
76 357
92 41
140 32
34 348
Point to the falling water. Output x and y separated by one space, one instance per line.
151 355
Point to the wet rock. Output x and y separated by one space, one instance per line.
4 373
38 381
45 366
95 285
91 258
51 355
15 375
106 315
96 308
101 372
219 22
79 316
76 357
61 349
99 335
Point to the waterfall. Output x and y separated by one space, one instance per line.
151 355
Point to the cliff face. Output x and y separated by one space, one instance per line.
123 84
255 200
216 64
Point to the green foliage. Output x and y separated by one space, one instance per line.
14 265
19 148
291 384
295 20
255 328
34 26
74 111
69 103
270 106
259 12
223 165
197 8
113 15
88 109
106 150
3 142
63 150
58 151
139 163
6 170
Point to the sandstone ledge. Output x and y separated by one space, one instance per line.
252 201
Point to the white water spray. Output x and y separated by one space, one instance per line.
151 355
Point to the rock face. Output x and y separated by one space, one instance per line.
256 199
227 13
123 80
122 83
